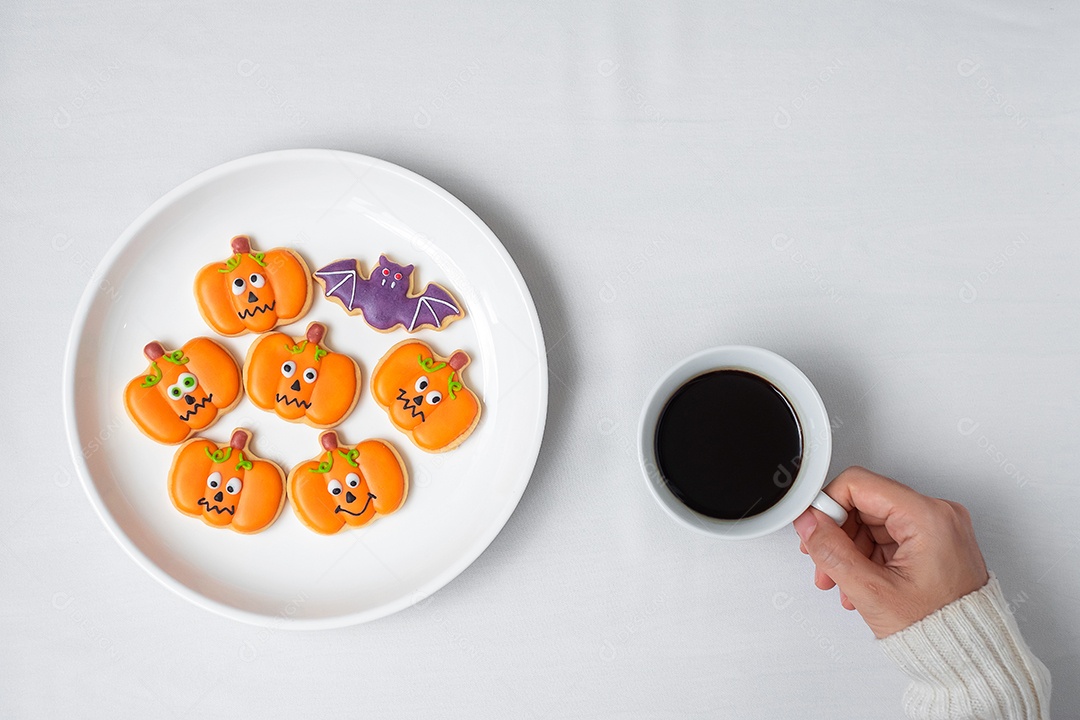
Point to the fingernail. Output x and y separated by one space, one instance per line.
805 525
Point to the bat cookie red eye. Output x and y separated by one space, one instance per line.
385 271
397 276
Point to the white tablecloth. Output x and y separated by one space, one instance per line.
887 194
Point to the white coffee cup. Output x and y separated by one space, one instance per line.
806 487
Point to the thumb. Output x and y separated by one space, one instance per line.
835 554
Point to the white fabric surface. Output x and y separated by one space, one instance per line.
887 194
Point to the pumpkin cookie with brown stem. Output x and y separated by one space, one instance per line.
425 395
253 292
183 391
227 486
347 486
301 380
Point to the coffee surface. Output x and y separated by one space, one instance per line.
728 444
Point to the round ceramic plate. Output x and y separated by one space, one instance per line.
326 205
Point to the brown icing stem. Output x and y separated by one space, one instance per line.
458 360
241 244
153 351
315 332
239 439
329 440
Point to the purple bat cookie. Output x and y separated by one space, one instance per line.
385 298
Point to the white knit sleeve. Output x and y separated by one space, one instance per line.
968 660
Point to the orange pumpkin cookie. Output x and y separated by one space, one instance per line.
227 486
301 380
347 486
183 391
426 396
253 291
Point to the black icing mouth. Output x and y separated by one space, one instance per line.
408 404
217 508
292 401
251 312
196 407
370 497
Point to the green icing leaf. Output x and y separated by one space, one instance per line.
429 364
452 386
231 264
221 455
296 349
257 257
320 353
243 464
326 465
153 378
350 456
176 357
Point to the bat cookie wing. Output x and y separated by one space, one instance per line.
436 307
339 281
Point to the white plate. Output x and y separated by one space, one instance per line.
327 205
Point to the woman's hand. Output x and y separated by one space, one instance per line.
899 557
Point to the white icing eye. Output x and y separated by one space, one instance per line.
334 487
187 381
256 280
433 398
310 375
233 486
175 391
385 272
352 480
421 384
213 480
288 368
238 286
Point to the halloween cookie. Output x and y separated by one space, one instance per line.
301 380
253 291
347 486
183 391
386 299
425 395
227 486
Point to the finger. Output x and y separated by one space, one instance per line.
846 602
823 581
802 548
864 541
837 558
852 524
898 506
881 535
883 554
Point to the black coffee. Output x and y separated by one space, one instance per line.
728 444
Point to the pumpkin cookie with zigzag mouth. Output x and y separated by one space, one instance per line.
183 391
253 292
300 380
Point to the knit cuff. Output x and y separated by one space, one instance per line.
968 660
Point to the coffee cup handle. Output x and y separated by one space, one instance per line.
830 507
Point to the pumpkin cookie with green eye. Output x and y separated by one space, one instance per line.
183 391
253 292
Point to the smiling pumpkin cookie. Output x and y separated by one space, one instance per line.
347 486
